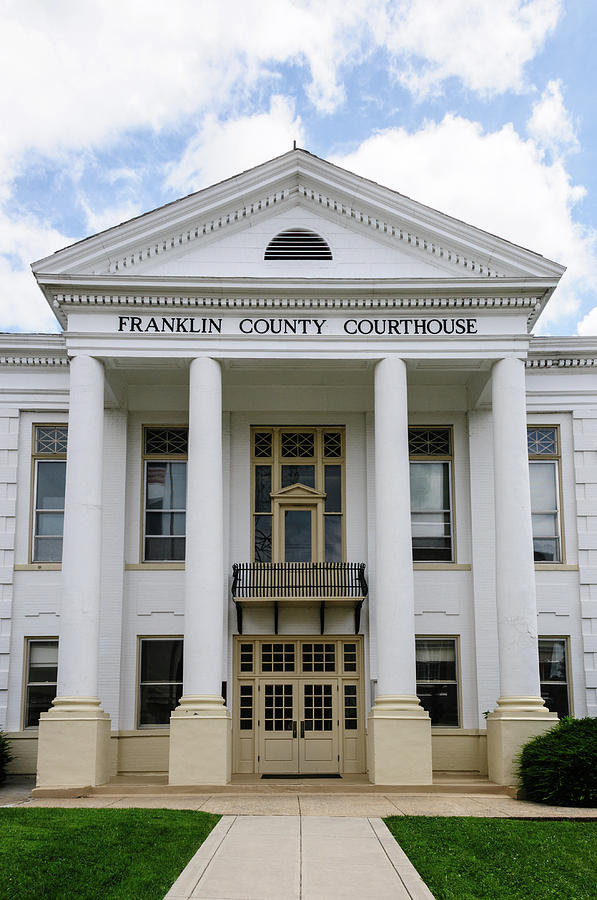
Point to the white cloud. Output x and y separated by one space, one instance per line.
484 43
221 148
588 325
99 220
497 181
550 124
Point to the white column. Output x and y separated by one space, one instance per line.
520 712
200 726
74 734
399 728
394 601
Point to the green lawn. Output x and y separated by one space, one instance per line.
465 858
113 854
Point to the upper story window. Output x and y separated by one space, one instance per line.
430 451
298 494
165 478
49 475
544 471
298 243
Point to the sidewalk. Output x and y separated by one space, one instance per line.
258 858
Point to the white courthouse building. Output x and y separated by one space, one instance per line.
295 491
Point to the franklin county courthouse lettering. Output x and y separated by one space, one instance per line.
295 491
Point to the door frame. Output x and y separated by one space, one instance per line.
247 738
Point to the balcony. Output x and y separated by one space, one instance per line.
299 584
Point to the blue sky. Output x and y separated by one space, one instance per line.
482 109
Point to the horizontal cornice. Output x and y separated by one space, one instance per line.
562 352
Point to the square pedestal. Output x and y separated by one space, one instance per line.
399 749
73 751
200 750
505 738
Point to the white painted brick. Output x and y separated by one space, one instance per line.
7 506
7 540
4 643
591 678
585 507
9 441
590 643
584 413
588 609
8 474
587 574
586 474
3 679
585 441
587 540
6 575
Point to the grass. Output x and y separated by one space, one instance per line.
468 858
113 854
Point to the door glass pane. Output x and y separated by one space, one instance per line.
297 535
263 538
298 475
278 702
263 486
333 488
333 538
318 707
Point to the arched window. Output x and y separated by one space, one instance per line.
298 243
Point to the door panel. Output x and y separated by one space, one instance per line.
278 750
318 744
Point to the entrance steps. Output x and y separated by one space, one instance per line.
443 783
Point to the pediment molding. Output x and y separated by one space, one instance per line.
298 493
355 214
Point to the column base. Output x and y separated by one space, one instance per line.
74 744
200 742
399 741
513 722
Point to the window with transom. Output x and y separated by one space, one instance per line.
544 473
49 474
165 477
430 451
298 494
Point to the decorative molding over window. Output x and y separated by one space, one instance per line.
316 198
297 243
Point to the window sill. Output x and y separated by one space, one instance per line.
36 567
555 567
441 566
153 566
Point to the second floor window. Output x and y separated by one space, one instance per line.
430 451
49 473
544 466
165 492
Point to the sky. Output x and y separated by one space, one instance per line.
484 110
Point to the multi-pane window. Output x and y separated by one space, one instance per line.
430 451
553 674
544 464
49 465
437 682
160 679
285 458
42 676
165 473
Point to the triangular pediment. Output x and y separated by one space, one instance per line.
222 232
298 493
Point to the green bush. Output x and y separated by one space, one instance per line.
560 766
5 755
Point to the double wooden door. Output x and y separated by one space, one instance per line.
299 726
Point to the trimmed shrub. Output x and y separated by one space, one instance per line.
5 755
560 766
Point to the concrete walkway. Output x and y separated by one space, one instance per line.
317 858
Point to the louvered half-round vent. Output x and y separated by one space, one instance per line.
297 243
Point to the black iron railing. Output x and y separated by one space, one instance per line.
321 581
